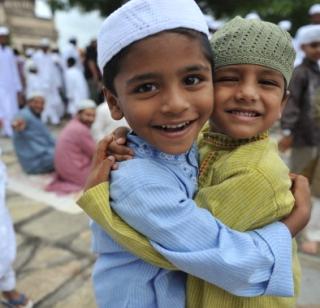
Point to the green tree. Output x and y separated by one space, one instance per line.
271 10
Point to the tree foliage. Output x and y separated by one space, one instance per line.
271 10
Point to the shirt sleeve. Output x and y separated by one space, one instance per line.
95 202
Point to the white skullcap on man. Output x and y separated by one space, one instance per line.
34 94
253 16
285 25
29 52
4 31
138 19
314 9
85 104
308 34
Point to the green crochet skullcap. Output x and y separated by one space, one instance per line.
243 41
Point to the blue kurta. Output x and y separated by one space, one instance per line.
34 145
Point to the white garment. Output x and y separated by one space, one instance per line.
10 85
7 239
54 107
76 88
104 124
59 68
71 51
33 84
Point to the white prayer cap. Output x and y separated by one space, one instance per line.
44 42
138 19
314 9
285 25
253 16
308 34
4 31
29 52
34 94
85 104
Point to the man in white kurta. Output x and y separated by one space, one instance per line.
10 84
71 51
50 83
77 88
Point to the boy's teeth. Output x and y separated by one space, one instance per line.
245 113
175 126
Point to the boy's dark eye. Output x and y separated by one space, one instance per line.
192 80
147 87
269 82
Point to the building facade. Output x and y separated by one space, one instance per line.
26 29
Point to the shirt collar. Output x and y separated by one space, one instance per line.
144 149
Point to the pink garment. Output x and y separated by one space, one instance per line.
73 154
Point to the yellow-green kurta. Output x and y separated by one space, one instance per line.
244 184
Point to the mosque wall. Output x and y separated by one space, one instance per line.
26 29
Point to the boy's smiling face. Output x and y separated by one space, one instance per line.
164 89
248 99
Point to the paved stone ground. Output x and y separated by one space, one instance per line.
54 261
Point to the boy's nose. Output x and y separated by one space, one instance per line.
247 93
174 102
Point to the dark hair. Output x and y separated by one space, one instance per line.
71 61
112 68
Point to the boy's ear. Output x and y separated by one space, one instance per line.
113 103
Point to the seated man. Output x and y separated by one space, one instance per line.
74 151
34 145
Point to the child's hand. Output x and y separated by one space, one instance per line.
285 143
101 164
300 214
117 147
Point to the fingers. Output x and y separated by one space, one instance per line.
100 172
102 148
120 151
120 132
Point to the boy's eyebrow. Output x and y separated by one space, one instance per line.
148 76
142 77
194 68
